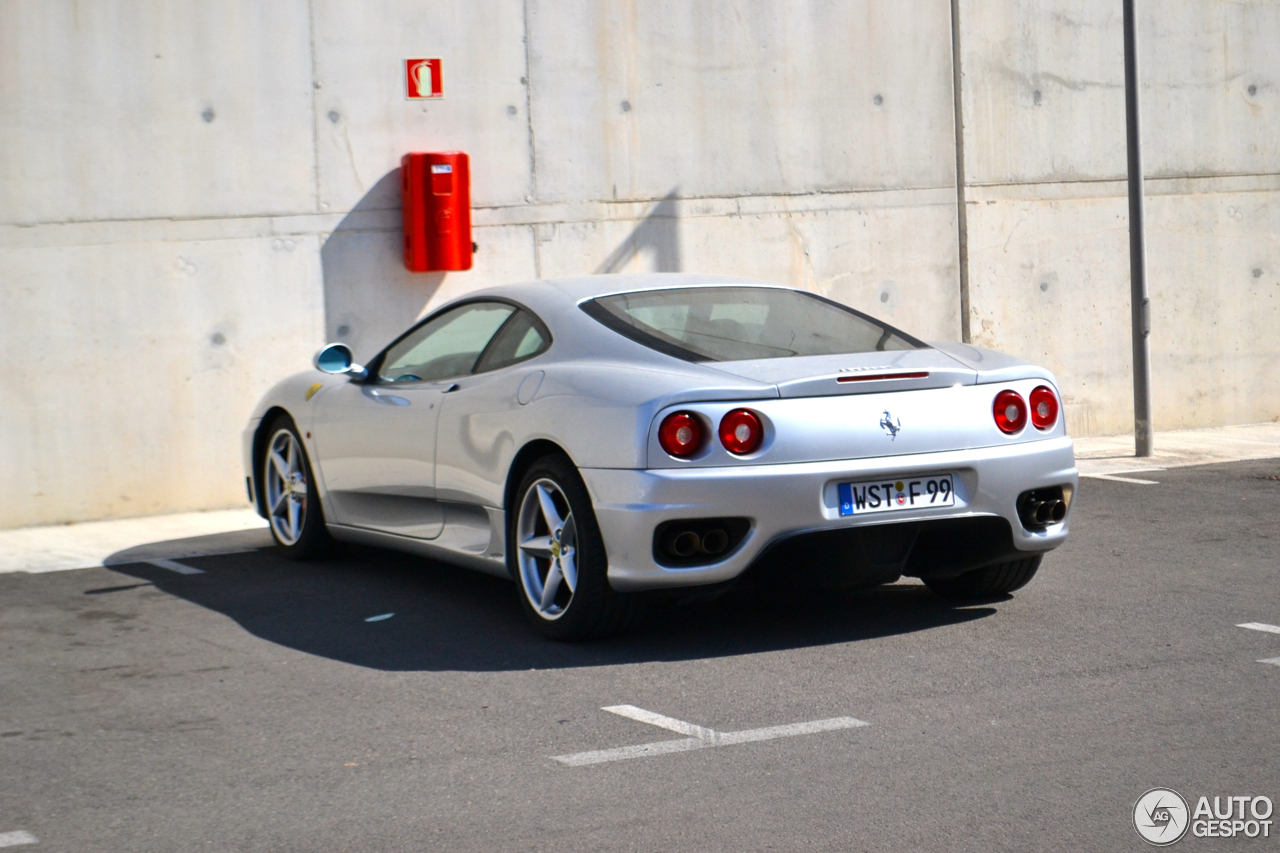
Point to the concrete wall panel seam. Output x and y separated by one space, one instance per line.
315 86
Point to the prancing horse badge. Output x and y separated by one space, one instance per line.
887 424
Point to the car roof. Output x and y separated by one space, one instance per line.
556 301
557 294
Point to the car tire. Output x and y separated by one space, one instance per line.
989 581
556 556
289 495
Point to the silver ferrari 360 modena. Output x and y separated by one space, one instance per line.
599 438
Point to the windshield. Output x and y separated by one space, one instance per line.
739 323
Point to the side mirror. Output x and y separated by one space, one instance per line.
338 359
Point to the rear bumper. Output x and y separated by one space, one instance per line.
786 500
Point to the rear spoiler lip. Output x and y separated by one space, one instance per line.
877 381
875 377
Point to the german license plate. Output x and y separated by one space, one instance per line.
889 495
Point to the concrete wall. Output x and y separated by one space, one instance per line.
1043 106
195 195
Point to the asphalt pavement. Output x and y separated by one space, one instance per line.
379 702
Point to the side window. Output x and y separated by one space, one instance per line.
519 339
445 347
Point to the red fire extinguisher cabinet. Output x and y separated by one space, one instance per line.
436 195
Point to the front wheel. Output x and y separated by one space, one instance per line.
293 507
556 555
989 581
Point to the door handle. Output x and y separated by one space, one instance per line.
388 399
454 387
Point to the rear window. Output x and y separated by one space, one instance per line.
740 323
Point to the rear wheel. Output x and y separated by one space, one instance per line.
293 507
557 556
988 581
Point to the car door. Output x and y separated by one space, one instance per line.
474 437
376 438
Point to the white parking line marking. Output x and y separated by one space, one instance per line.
643 750
1275 661
14 839
380 617
671 724
789 730
1260 626
175 566
1116 479
702 738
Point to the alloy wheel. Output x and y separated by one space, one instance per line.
547 539
287 487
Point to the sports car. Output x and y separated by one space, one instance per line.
598 439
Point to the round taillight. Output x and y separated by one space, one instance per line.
680 434
1010 411
1044 407
741 432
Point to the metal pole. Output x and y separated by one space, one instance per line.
962 211
1140 305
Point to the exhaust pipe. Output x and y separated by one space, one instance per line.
686 544
714 541
1042 508
1050 512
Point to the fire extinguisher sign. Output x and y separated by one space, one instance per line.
422 79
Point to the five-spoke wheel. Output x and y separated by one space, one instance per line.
286 482
293 509
558 560
547 537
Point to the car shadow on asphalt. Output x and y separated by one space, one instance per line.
451 619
